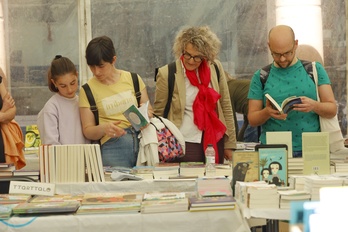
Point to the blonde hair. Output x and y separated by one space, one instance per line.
201 38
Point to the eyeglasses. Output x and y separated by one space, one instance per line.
285 54
188 56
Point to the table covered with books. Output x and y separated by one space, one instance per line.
215 220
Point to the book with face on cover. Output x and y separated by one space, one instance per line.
273 163
138 117
286 106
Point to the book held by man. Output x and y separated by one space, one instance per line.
286 106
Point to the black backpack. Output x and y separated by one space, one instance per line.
93 105
264 72
171 81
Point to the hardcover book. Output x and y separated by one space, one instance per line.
138 117
273 164
286 106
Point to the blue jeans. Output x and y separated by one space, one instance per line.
121 151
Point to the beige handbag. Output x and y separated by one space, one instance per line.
330 125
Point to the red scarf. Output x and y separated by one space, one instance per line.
205 116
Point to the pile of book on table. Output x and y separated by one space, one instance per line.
257 194
212 193
9 170
159 202
110 202
9 201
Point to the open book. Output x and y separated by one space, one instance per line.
138 117
286 106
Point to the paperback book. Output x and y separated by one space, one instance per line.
286 106
211 203
273 162
138 117
110 198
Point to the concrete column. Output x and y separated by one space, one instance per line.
305 18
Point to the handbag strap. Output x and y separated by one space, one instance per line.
315 75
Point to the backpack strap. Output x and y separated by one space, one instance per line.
264 72
136 87
93 105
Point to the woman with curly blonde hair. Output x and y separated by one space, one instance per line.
200 105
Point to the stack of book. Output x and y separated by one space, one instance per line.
166 170
314 183
6 211
223 170
110 202
295 166
258 194
297 182
32 174
46 207
56 198
288 196
339 166
70 163
6 169
213 186
161 202
262 197
14 198
211 203
193 169
145 172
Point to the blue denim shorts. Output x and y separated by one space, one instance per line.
121 151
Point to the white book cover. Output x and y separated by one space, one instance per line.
316 153
280 137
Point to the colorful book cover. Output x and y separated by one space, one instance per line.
163 196
57 198
273 165
32 138
110 197
137 116
245 166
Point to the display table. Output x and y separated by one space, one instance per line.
205 221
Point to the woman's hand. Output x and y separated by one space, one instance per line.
112 129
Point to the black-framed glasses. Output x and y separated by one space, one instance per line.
285 54
188 56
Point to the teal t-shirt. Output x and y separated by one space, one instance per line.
283 83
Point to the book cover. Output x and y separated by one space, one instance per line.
245 166
280 137
23 172
138 117
110 197
273 164
316 153
214 207
57 198
32 140
286 106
